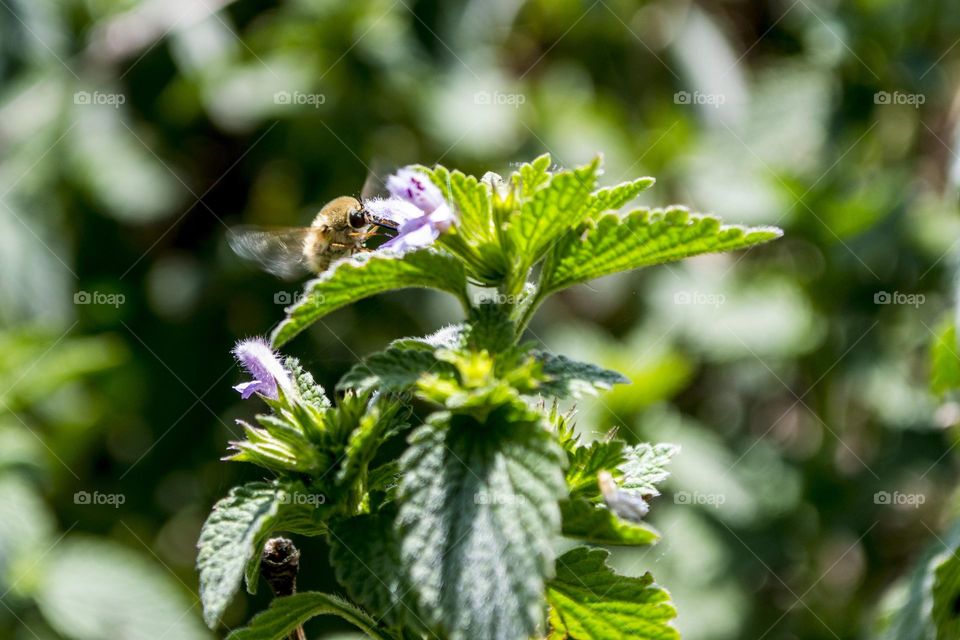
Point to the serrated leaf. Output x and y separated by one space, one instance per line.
568 377
365 556
367 274
478 510
530 176
232 535
945 363
597 524
643 238
587 461
588 601
92 589
286 614
392 370
472 200
645 466
613 198
310 392
381 421
946 596
551 211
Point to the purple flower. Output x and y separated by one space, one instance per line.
262 364
418 208
422 231
416 188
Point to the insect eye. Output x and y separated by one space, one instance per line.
357 219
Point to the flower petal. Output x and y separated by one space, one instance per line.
264 367
416 188
393 209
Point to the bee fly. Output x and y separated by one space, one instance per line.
339 230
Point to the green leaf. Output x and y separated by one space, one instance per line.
286 614
551 211
478 511
597 524
532 175
92 589
587 461
613 198
588 601
26 527
382 419
367 274
392 370
567 377
472 200
945 362
310 392
642 238
946 596
365 556
644 467
233 534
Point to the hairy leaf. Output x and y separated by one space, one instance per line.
599 525
232 535
365 555
551 211
567 377
478 510
530 176
612 198
642 238
392 370
588 601
285 614
367 274
644 467
586 461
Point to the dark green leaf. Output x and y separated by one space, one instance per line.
478 511
367 274
233 534
568 377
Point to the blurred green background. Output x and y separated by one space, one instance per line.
795 376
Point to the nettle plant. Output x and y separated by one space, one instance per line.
459 535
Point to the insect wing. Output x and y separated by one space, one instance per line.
278 250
